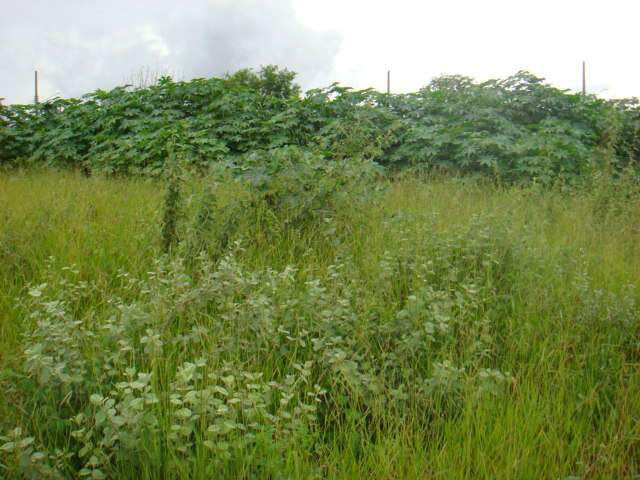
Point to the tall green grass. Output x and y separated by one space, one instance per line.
444 328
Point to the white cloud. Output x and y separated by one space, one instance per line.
419 40
153 40
81 45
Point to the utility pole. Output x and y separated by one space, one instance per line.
584 77
388 82
35 97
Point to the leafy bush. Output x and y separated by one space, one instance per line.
175 377
377 343
285 191
515 129
269 81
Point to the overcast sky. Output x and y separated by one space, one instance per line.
81 45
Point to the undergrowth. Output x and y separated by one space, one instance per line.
438 328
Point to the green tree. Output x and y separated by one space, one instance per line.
269 80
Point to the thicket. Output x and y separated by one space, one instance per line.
441 329
516 129
307 320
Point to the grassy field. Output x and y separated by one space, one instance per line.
442 328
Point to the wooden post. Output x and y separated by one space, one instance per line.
35 97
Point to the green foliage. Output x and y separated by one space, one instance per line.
269 81
357 124
512 129
300 186
17 125
627 144
171 207
182 362
410 331
285 191
515 129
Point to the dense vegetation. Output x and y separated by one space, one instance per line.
419 329
516 129
277 305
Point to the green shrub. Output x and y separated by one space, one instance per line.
518 129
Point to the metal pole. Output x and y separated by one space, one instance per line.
388 82
35 98
584 78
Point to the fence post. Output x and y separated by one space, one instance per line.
35 97
388 82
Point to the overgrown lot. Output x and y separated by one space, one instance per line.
317 322
514 130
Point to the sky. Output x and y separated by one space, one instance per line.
78 46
